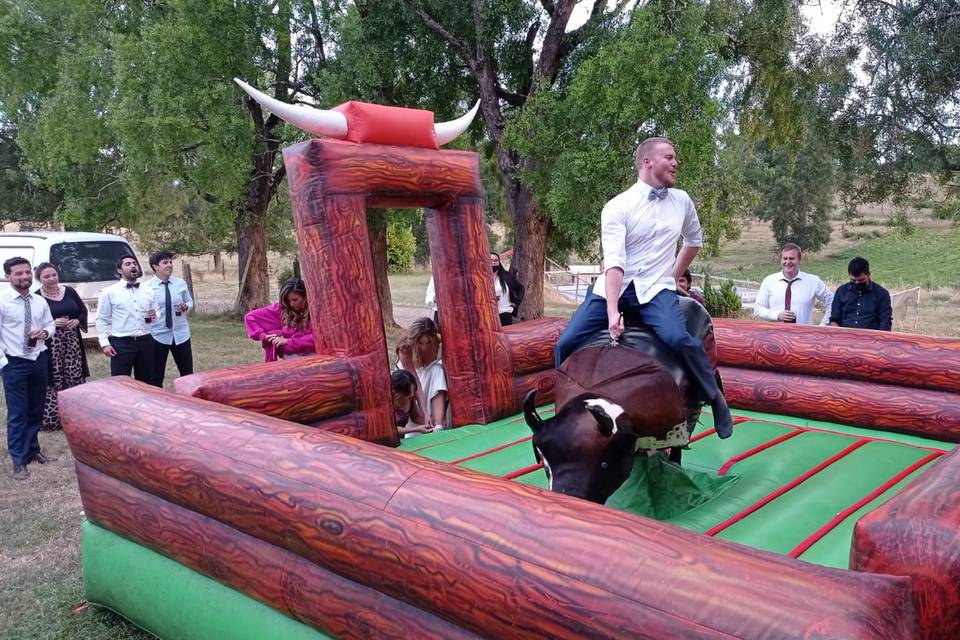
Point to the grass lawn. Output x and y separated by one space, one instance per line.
928 258
40 519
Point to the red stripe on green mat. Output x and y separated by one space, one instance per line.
492 450
503 461
843 515
711 430
857 431
524 471
757 449
783 524
787 487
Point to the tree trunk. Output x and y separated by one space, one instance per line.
251 222
530 230
252 254
377 229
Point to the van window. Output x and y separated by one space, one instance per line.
88 261
12 252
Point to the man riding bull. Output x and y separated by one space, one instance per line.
638 235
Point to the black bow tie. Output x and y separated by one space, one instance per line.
133 285
658 193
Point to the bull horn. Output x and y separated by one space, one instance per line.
530 411
322 122
448 131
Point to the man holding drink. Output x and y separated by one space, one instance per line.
125 313
171 332
25 323
789 295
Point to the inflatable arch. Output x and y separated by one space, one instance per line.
262 502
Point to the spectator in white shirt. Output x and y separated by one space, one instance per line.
124 315
430 299
25 323
171 332
789 295
507 289
638 234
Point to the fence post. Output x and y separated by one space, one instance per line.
188 278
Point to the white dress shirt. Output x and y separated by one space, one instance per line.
180 332
121 311
805 289
639 235
430 299
503 296
12 329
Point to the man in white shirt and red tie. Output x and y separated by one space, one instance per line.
125 313
25 325
638 234
789 296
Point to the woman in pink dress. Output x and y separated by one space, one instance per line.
283 328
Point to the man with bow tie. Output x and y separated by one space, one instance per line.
638 235
124 315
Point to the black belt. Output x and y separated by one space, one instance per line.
134 338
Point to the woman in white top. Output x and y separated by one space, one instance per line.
508 290
419 353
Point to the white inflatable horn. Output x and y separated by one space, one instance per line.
333 124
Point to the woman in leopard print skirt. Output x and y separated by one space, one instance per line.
68 361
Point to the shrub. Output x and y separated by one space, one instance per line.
401 247
283 276
722 302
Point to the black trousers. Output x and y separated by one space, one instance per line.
182 355
133 354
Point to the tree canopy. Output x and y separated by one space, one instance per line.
124 115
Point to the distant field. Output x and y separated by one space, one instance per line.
928 258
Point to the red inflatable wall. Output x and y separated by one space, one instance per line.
439 550
888 381
489 368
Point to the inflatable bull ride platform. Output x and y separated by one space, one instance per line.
273 500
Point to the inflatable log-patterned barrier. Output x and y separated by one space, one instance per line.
888 381
364 541
877 379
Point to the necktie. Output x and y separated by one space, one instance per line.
133 285
788 296
168 309
658 193
27 324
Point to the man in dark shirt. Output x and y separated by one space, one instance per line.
861 303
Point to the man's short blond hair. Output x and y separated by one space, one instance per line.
645 148
790 246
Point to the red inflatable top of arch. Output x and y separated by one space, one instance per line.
379 124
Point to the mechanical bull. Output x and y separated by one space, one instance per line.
614 401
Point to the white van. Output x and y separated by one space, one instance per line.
86 261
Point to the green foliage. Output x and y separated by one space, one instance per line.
581 138
722 302
401 246
900 116
21 199
284 275
795 187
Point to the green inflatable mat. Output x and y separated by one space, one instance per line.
696 498
171 601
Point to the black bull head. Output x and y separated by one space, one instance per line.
583 451
612 400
